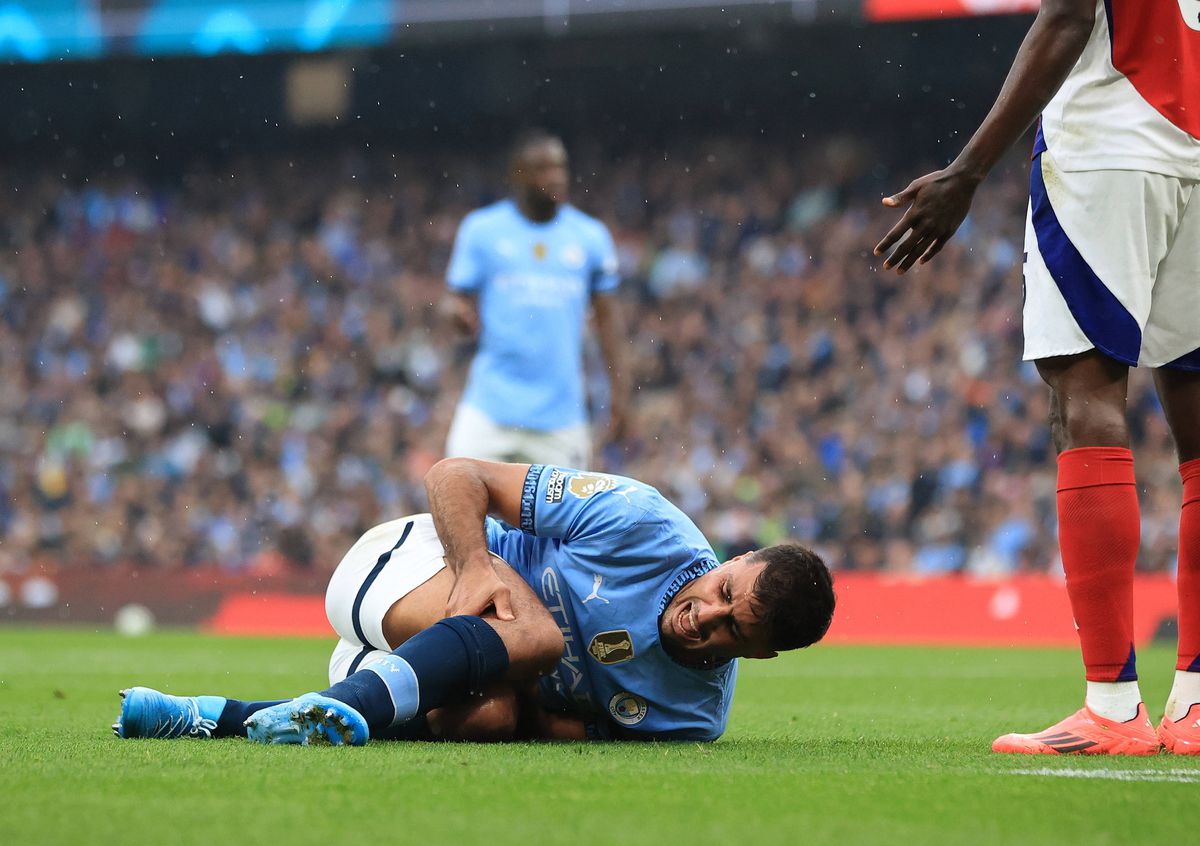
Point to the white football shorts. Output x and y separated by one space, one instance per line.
383 566
1112 263
475 435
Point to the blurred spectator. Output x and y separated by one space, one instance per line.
244 368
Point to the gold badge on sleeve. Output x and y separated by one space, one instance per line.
585 485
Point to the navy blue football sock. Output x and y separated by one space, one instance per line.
236 712
437 666
415 729
367 694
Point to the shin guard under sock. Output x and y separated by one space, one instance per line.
1099 531
437 666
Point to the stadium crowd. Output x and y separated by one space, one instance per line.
246 367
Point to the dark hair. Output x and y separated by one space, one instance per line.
529 138
795 593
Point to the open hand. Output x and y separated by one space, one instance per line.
937 204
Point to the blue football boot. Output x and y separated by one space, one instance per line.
149 713
309 719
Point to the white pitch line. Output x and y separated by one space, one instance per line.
1179 776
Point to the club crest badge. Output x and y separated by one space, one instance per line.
573 256
539 251
611 647
628 709
587 485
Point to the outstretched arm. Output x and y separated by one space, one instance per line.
938 201
462 491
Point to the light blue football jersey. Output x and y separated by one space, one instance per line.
534 282
606 554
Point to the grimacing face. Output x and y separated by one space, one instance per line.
715 616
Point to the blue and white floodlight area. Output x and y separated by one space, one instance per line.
49 30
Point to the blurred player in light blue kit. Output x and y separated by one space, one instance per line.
522 277
595 610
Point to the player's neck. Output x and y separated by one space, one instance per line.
537 211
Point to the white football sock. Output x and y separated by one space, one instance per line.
1114 700
1184 694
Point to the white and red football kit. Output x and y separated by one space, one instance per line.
1113 232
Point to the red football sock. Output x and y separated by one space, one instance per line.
1188 579
1099 531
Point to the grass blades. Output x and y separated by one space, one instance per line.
845 745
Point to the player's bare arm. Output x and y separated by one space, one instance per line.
938 202
462 492
609 322
461 311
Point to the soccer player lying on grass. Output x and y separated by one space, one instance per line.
604 615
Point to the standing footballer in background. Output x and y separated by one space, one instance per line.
1112 280
522 276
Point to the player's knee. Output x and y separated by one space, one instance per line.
1087 400
542 645
549 648
1084 424
535 642
1080 418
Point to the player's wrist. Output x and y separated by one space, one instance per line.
474 563
969 168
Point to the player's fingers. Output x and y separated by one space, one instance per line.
895 233
466 605
934 249
502 599
901 252
903 198
915 252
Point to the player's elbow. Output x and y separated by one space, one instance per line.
447 467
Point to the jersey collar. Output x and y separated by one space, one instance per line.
681 578
677 583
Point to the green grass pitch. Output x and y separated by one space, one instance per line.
840 745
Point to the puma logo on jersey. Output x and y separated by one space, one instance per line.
625 492
595 594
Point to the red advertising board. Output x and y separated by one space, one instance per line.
872 607
1028 610
270 614
901 10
